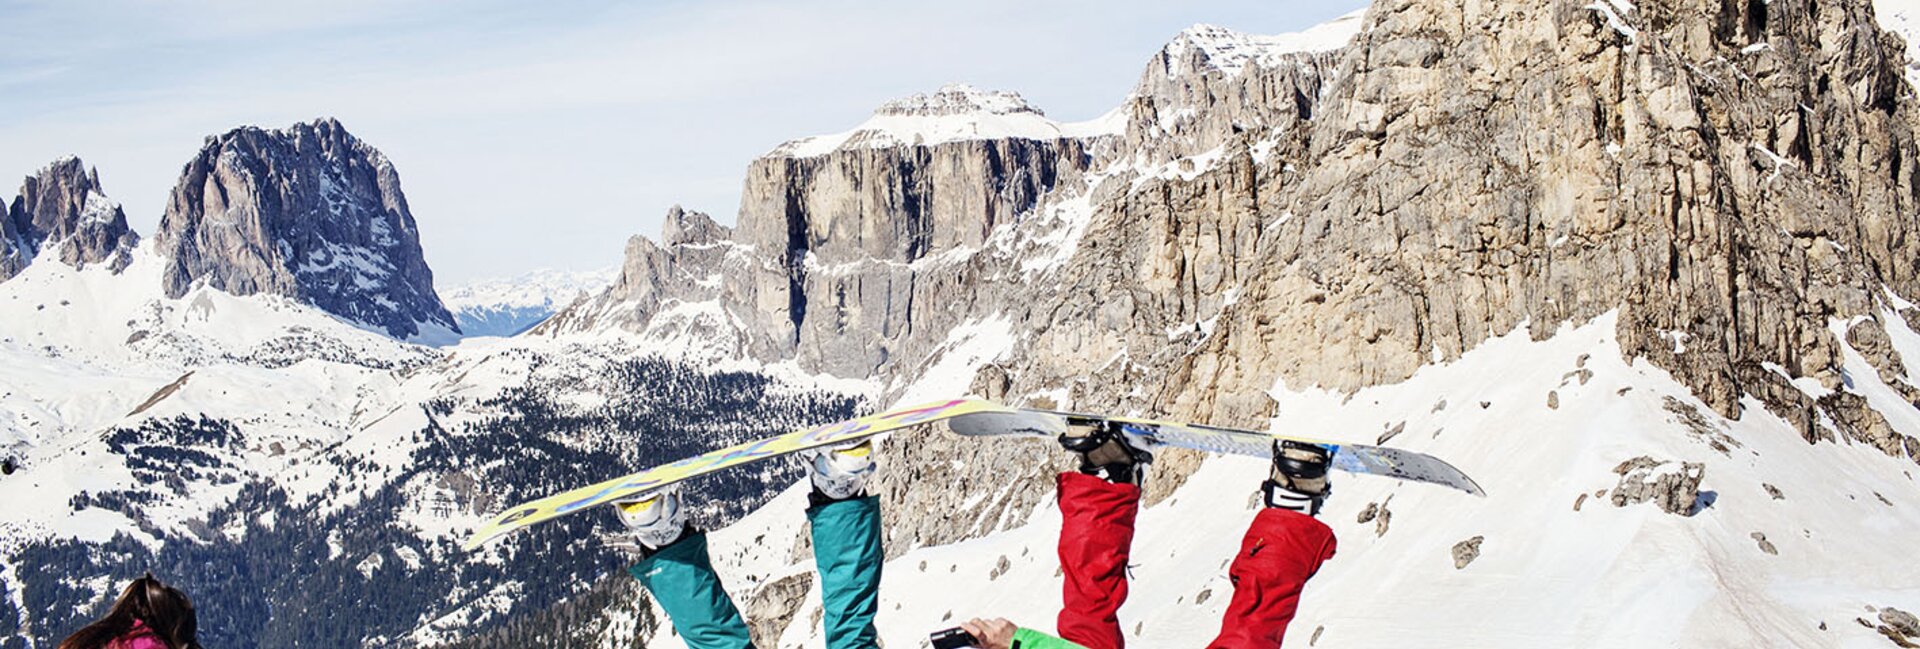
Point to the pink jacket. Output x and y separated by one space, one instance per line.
138 637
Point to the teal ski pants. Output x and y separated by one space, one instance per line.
846 552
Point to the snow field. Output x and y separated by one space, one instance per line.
1548 575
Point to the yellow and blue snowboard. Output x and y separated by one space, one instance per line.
971 417
555 506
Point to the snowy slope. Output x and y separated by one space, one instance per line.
1603 576
508 306
87 350
216 430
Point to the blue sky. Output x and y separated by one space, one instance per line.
543 134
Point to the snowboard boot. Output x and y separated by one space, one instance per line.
656 520
1299 479
840 472
1105 453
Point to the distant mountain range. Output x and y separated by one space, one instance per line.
509 306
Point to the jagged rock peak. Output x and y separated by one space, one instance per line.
692 228
308 212
61 205
959 99
1230 51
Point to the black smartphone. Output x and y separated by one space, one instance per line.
954 638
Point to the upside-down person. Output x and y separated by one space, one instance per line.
1283 547
845 519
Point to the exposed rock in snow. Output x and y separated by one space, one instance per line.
1903 625
308 212
1466 551
1378 514
1674 486
774 605
1230 51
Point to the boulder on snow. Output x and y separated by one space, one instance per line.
772 607
1466 551
1899 626
1675 486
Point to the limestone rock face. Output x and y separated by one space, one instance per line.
841 249
61 207
308 212
1211 84
1477 166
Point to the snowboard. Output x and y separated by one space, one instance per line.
971 417
528 514
1362 459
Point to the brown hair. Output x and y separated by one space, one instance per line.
165 610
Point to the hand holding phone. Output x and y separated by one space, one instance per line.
954 638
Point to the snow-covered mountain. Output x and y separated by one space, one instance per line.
1387 228
1649 283
62 208
509 306
956 112
277 461
308 212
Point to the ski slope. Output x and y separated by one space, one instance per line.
1602 576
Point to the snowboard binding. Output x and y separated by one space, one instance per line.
841 472
655 520
1299 478
1105 452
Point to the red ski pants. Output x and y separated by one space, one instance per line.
1281 550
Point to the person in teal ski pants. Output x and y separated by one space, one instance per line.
845 519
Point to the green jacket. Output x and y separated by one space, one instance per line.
1025 638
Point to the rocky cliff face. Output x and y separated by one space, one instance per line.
16 248
1734 179
840 237
1211 85
61 207
308 212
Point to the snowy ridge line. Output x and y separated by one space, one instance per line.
1231 51
955 113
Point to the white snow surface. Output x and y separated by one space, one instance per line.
86 351
955 113
1603 576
